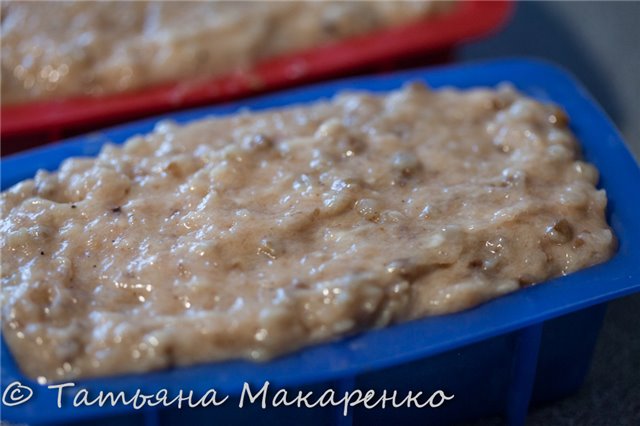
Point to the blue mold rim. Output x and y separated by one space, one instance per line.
602 145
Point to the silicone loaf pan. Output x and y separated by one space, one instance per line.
49 120
532 345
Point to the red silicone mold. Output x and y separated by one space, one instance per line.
27 125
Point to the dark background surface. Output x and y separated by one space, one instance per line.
599 42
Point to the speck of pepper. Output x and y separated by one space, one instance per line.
73 206
41 253
116 209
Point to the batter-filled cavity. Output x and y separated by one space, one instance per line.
253 235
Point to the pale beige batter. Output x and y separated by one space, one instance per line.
257 234
60 49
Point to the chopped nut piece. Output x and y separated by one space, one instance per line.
561 232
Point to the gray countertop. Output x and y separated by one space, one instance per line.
599 42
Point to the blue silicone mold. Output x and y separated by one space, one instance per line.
534 344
